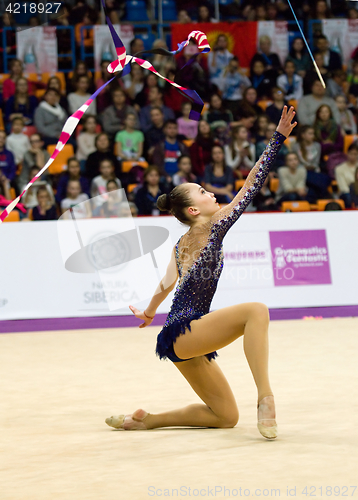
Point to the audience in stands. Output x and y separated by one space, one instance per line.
73 173
309 104
290 82
21 104
112 118
184 173
86 140
261 146
292 179
353 190
347 121
346 174
240 153
200 150
36 156
167 152
186 126
7 160
30 197
327 131
129 141
218 177
99 183
147 195
17 142
50 117
45 209
103 152
75 199
218 59
232 85
274 111
299 56
265 199
80 96
155 98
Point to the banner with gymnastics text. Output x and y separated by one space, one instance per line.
241 35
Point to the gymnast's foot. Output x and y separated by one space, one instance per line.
266 416
129 422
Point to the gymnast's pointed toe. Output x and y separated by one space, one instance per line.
116 421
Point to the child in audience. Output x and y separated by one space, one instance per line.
99 183
86 140
113 207
184 174
347 122
129 142
75 199
308 150
186 126
30 197
240 154
292 180
45 210
17 142
73 174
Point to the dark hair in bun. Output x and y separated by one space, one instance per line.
175 202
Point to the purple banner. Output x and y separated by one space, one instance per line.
300 258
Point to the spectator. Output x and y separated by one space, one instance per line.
36 156
204 15
155 133
321 10
112 118
86 39
260 80
73 174
45 210
345 174
81 69
21 104
260 11
114 205
336 84
240 154
218 177
50 117
129 142
6 199
147 195
103 99
332 60
309 154
261 127
311 74
218 117
193 75
142 99
75 198
232 84
155 97
247 118
17 142
353 190
299 56
309 104
249 102
292 180
136 46
184 173
218 59
134 83
81 96
102 153
264 201
86 140
274 111
261 146
270 60
308 150
167 152
347 122
200 150
30 197
9 86
172 98
99 183
290 82
160 61
183 17
55 83
327 131
186 126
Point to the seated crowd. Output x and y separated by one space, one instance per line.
137 141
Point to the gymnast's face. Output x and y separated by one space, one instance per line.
204 202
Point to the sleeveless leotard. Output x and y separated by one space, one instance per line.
200 258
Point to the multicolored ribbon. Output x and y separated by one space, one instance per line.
122 66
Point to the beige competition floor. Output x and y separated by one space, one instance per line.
57 388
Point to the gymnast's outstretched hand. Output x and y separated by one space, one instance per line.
285 126
140 315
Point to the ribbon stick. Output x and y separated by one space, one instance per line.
308 48
121 66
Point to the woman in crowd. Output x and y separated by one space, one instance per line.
146 196
81 96
240 154
73 174
275 109
347 122
184 173
218 177
187 127
141 99
218 117
45 210
55 83
21 104
86 140
299 56
327 131
200 150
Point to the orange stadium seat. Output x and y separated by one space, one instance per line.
130 187
321 204
348 140
295 206
289 142
29 130
127 165
1 121
61 76
60 163
264 104
12 193
188 142
13 216
274 184
80 127
3 77
239 184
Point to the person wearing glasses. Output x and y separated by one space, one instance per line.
36 156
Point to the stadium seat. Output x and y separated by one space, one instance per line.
29 214
348 140
3 77
127 165
60 163
295 206
264 104
274 184
321 204
294 103
1 121
130 187
80 127
188 142
148 39
136 11
12 193
169 10
13 216
290 141
61 76
239 184
29 130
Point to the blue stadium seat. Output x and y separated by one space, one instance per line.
148 39
169 10
136 11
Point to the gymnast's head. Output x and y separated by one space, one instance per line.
190 203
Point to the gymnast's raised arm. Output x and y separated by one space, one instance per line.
226 216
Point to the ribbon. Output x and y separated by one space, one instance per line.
121 66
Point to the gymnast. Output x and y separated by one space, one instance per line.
191 334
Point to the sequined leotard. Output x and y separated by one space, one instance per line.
200 259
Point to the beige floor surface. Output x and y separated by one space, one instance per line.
57 388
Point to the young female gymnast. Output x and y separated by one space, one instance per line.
191 335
